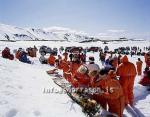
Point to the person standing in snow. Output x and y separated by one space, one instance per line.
111 95
102 58
139 66
127 72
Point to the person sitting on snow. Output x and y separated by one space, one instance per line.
51 59
42 58
75 64
17 54
81 78
6 54
23 57
31 51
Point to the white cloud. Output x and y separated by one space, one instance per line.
116 31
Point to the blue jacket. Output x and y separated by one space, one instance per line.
23 58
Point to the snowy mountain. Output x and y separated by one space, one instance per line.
12 33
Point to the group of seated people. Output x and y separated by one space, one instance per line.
20 54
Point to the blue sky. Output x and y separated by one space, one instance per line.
92 16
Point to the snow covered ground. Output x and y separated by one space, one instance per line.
22 85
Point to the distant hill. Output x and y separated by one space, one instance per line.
13 33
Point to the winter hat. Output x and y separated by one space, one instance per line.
93 73
93 67
103 73
82 69
91 59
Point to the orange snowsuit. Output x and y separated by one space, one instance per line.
112 95
80 80
73 68
51 60
64 65
127 72
139 67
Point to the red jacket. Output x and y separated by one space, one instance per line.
6 54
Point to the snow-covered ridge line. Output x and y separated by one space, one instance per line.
13 33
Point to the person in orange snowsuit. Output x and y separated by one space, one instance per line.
17 55
112 74
75 64
64 65
65 56
139 66
111 93
51 59
81 78
127 72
